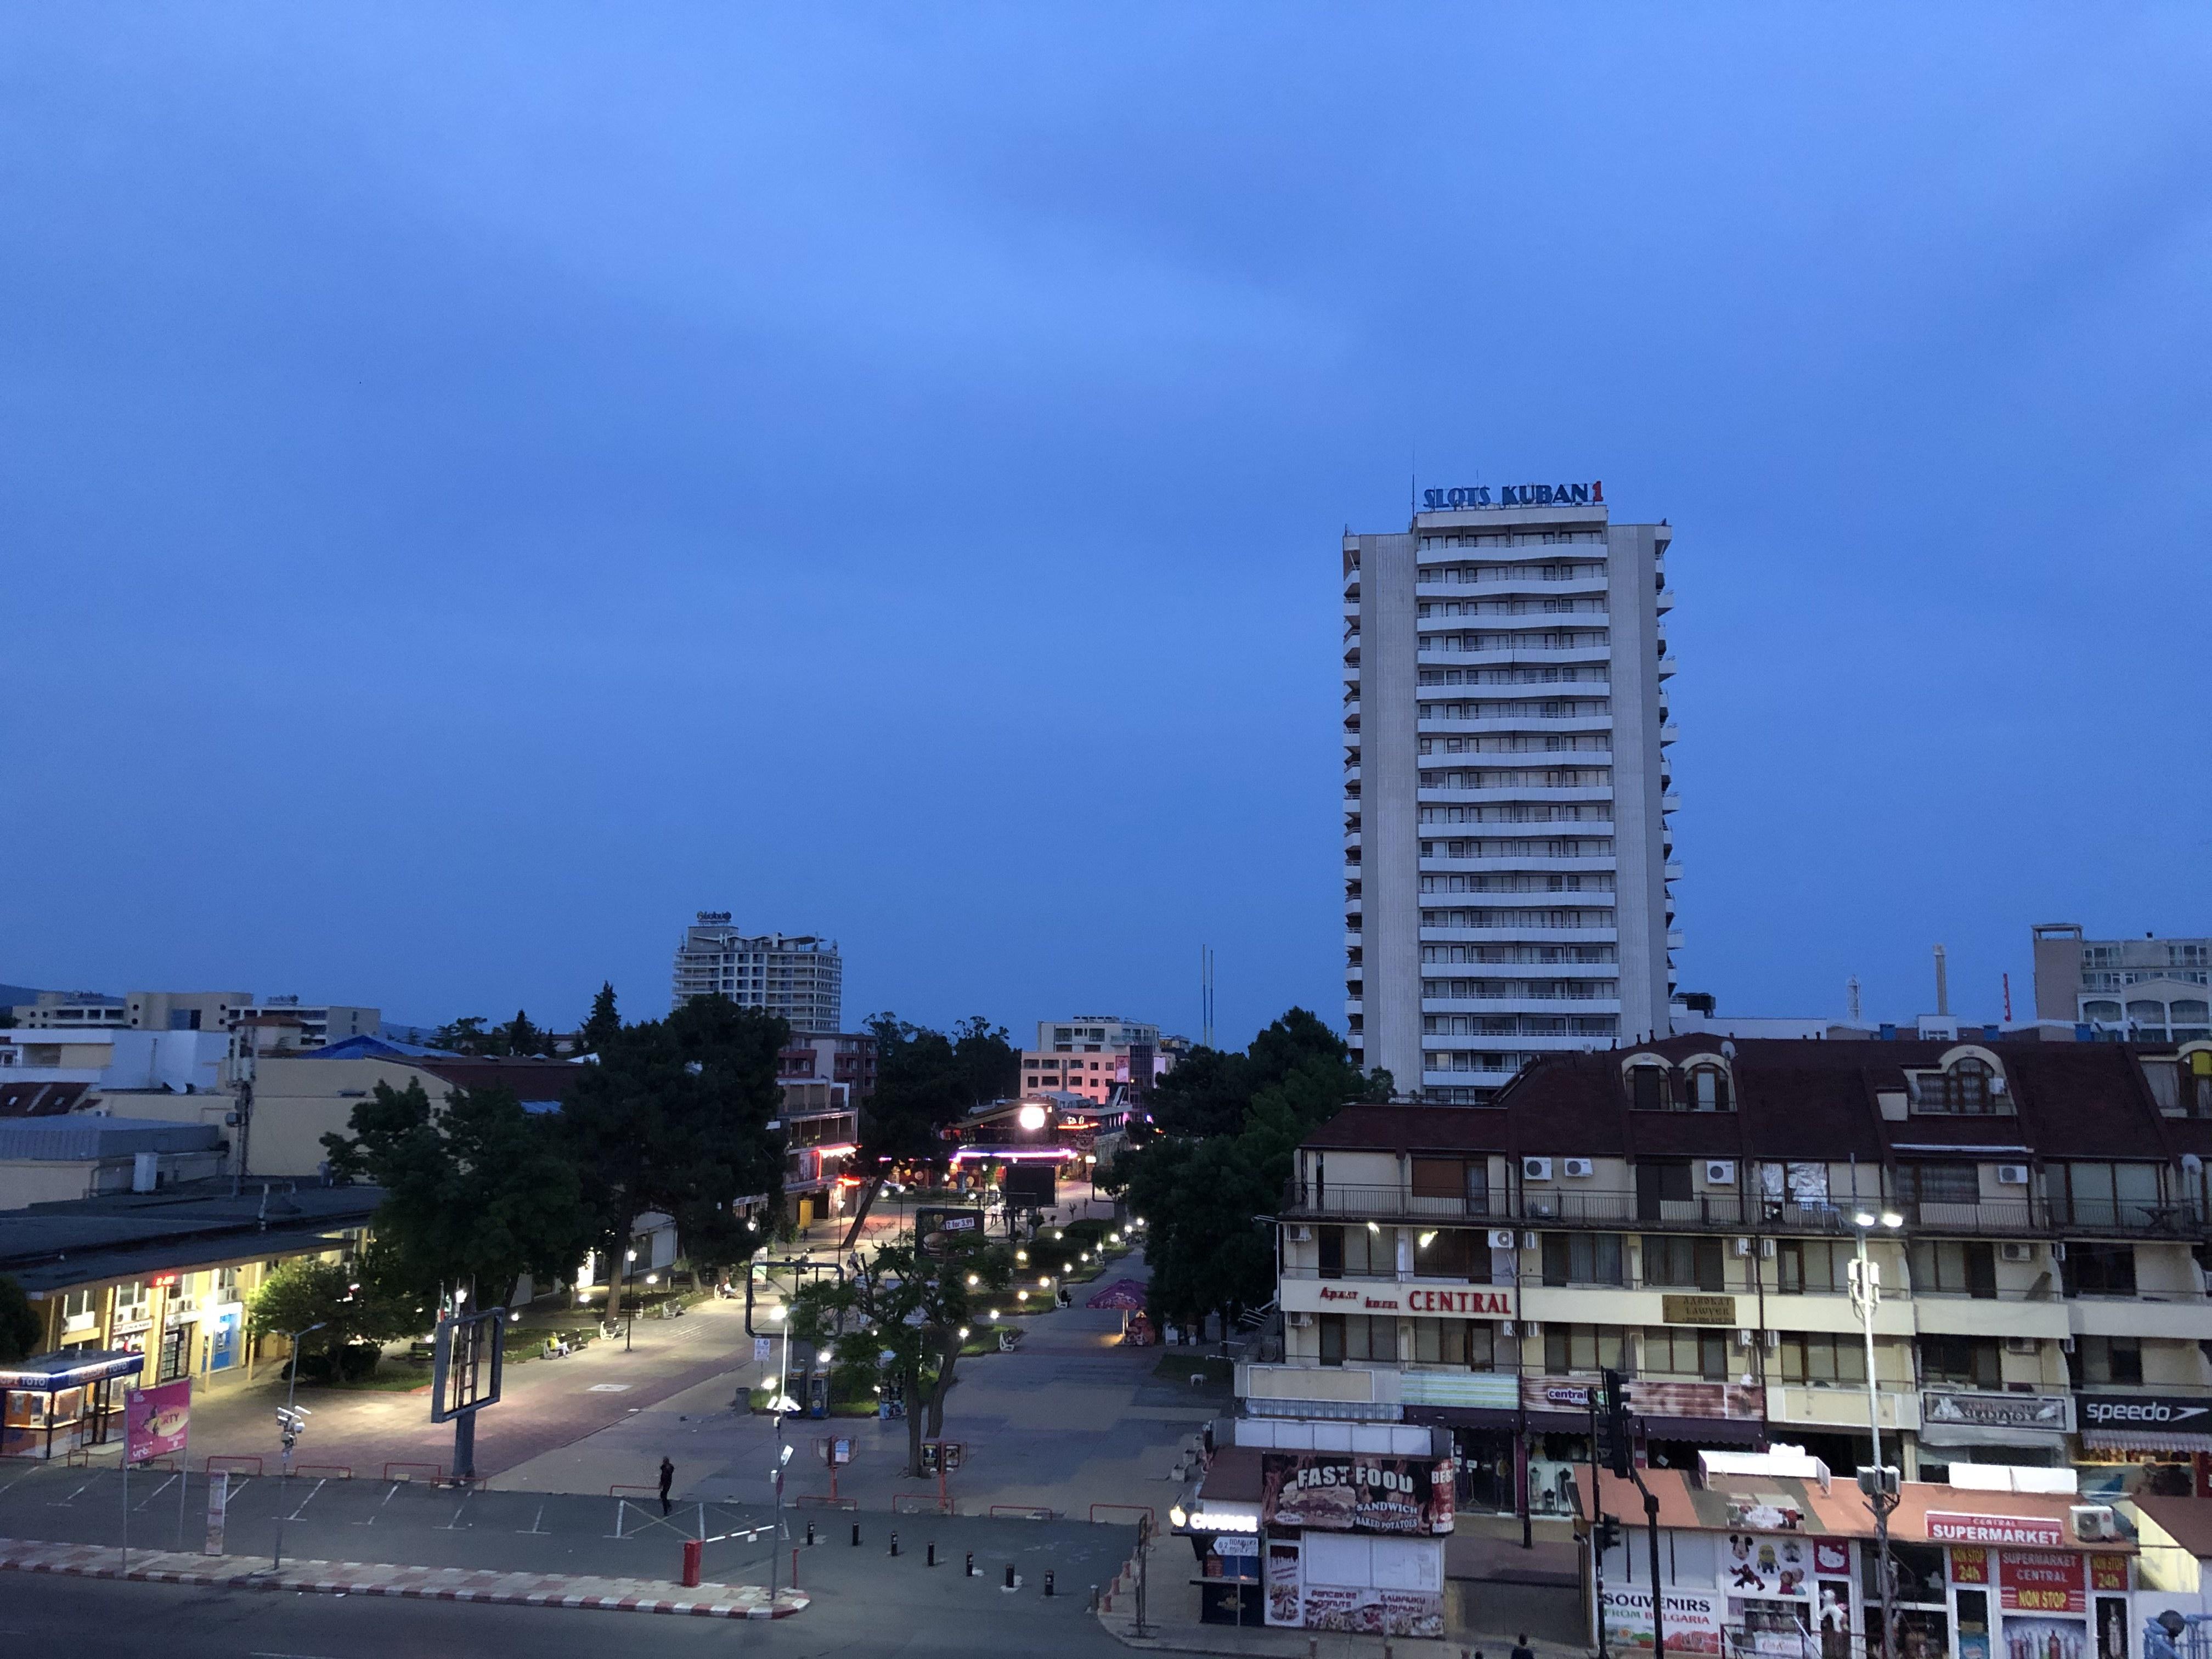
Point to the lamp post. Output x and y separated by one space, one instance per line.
1880 1489
290 1422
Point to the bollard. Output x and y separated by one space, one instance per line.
810 1544
1010 1574
1048 1584
692 1550
968 1568
894 1541
794 1569
932 1560
856 1534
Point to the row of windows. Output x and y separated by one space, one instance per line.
1520 881
1521 846
1516 743
1548 812
1520 777
1521 674
1515 955
1594 605
1549 919
1554 639
1517 1025
1537 990
1546 708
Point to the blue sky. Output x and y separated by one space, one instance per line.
479 487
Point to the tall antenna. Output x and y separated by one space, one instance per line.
1851 996
1942 983
1205 995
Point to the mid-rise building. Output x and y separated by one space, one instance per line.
798 975
1506 786
2150 989
1093 1054
1686 1212
307 1025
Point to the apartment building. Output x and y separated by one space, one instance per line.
1506 786
2150 989
1686 1210
1093 1054
845 1058
798 975
308 1026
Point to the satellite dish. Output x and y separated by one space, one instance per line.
1728 1049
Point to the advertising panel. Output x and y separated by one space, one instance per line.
2040 1581
2013 1531
1283 1606
1765 1565
2045 1639
156 1420
1354 1492
1694 1618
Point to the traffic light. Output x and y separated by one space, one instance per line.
1880 1482
1616 1434
1607 1535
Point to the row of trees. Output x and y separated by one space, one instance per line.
1210 1181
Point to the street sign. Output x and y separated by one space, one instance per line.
763 1350
834 1449
218 1503
942 1456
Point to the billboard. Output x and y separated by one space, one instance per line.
466 1363
1354 1492
936 1228
156 1421
1694 1618
1029 1187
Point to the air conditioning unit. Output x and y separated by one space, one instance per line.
1532 1329
2066 1345
1766 1249
2012 1250
2058 1250
1774 1340
1720 1172
2011 1175
1528 1240
1301 1235
2094 1523
1743 1247
1579 1169
1302 1321
1535 1169
1743 1338
1505 1328
2023 1345
1501 1238
1541 1206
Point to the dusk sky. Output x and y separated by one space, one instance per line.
480 484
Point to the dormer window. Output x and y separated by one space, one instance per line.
1708 1089
1647 1089
1969 1086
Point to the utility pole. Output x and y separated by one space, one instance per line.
292 1421
1879 1483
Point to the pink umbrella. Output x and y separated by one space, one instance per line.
1126 1294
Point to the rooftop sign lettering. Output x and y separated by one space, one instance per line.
1526 495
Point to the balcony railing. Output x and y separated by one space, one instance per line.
1725 1211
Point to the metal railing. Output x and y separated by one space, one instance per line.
1727 1211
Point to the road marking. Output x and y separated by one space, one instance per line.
537 1523
304 1502
284 1656
163 1487
380 1508
454 1525
608 1387
64 1503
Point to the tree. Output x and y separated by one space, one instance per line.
476 1191
365 1300
912 1305
1230 1134
990 1066
674 1118
603 1024
20 1328
517 1036
926 1080
465 1036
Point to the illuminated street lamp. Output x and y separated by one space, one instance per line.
1876 1483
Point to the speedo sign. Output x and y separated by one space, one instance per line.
2145 1411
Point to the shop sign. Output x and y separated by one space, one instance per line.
156 1421
2108 1572
1694 1620
1767 1517
1235 1543
1372 1612
1556 1393
2006 1531
1970 1565
1495 1303
1697 1309
1757 1565
1831 1557
2146 1411
2045 1411
1354 1492
1722 1399
2040 1581
1526 495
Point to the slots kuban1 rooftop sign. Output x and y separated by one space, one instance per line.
1526 495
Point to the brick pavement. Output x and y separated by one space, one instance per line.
532 1589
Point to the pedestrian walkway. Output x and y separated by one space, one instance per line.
526 1590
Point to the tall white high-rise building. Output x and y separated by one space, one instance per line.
798 975
1506 786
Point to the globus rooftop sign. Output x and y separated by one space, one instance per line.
1526 495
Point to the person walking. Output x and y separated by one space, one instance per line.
1520 1647
667 1479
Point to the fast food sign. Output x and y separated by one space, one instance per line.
1354 1492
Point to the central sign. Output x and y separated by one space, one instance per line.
2006 1531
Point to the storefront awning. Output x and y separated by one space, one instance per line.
1705 1431
2165 1440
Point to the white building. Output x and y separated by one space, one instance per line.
798 975
2155 990
1506 786
197 1010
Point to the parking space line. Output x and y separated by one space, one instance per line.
380 1508
159 1489
64 1503
304 1502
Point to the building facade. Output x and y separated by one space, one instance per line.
1684 1211
310 1026
1092 1055
798 975
2152 990
1506 786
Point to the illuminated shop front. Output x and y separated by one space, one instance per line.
56 1403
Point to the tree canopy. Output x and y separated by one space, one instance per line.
1229 1129
673 1116
365 1300
20 1327
926 1079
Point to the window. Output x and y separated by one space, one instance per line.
1708 1089
1968 1361
1368 1252
1685 1263
1944 1266
1457 1186
1468 1342
1582 1259
2115 1195
1583 1348
1458 1253
1647 1089
1358 1339
1816 1357
1804 1265
1939 1183
1682 1350
2106 1359
2198 1095
1968 1087
2099 1270
1659 1183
